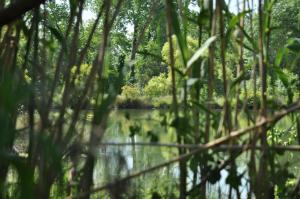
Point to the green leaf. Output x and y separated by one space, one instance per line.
251 40
179 72
285 81
281 53
235 19
176 27
199 53
294 45
249 48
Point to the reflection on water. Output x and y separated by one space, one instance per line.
132 126
118 161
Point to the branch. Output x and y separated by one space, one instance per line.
17 9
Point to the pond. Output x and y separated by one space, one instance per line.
133 126
145 126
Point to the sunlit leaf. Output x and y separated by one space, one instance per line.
192 81
200 52
280 55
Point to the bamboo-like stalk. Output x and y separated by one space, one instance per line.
195 94
227 113
263 188
240 69
182 164
240 66
252 163
211 68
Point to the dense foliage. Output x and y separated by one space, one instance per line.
223 75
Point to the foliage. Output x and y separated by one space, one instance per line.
192 46
222 80
158 86
130 92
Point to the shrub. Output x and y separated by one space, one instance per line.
158 86
130 92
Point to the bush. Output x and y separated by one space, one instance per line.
158 86
130 92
